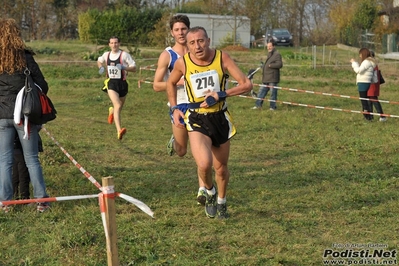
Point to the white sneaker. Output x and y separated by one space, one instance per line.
383 118
255 107
6 209
271 109
42 207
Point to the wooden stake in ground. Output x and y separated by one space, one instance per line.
110 217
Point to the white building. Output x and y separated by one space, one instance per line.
220 27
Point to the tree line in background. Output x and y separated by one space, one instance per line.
144 22
129 24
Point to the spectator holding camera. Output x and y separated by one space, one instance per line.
270 76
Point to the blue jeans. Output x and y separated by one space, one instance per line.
263 92
30 149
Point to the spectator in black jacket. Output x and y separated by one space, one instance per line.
270 76
14 60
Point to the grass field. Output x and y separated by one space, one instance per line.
303 180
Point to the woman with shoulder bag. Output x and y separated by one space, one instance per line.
14 59
374 92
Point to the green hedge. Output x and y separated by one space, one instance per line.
129 24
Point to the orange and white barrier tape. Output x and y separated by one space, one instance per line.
323 93
141 205
84 172
331 94
144 81
136 202
149 67
51 199
318 107
145 68
315 106
103 209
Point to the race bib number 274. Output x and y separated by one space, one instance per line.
204 82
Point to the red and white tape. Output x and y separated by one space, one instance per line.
318 107
325 94
149 67
141 205
51 199
84 172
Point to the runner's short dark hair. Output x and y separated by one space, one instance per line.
179 18
114 37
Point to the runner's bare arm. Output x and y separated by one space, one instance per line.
173 79
171 88
162 67
244 84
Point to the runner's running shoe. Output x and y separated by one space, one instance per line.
121 133
110 115
201 197
222 211
210 205
169 146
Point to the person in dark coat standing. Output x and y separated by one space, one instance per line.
15 59
270 76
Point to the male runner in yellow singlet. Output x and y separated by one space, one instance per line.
179 25
207 120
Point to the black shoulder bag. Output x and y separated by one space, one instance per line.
382 80
36 105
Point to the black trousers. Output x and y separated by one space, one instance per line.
365 105
377 105
20 176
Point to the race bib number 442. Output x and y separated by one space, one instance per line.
204 82
114 72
